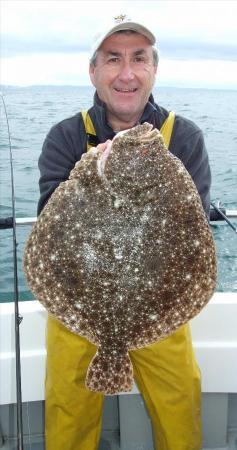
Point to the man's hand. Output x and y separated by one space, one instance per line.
103 146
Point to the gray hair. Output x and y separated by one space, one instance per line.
154 51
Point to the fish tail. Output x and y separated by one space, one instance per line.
110 375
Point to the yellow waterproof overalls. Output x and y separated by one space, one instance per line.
166 373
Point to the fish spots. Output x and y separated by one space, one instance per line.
122 253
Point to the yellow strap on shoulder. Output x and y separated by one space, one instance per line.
166 129
89 127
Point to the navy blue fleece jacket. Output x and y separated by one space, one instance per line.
66 142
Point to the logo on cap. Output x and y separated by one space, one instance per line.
120 18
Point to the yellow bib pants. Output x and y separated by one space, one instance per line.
167 376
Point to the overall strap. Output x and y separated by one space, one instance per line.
167 128
92 141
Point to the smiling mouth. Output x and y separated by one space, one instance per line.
126 90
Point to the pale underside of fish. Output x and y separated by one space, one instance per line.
122 253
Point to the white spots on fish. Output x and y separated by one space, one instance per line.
188 276
118 254
98 235
144 218
196 243
153 316
90 257
118 203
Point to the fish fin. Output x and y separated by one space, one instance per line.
110 375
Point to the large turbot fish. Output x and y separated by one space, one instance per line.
122 253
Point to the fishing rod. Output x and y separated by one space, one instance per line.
222 213
18 318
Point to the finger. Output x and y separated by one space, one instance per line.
103 145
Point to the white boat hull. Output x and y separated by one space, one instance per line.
214 334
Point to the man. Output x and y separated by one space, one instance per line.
123 69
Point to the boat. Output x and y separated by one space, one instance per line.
126 425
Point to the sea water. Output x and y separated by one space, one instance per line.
33 110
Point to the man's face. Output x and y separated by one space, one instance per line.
124 75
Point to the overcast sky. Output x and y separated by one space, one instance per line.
48 41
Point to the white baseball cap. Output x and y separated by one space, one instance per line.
119 23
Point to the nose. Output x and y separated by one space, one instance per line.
126 72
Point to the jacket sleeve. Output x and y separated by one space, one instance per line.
62 148
192 151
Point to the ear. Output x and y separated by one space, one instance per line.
92 73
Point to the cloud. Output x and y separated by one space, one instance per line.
193 49
50 34
200 29
181 49
15 46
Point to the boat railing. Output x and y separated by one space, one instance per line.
216 215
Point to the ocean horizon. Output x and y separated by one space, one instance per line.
157 86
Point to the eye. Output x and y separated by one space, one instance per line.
113 60
140 59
